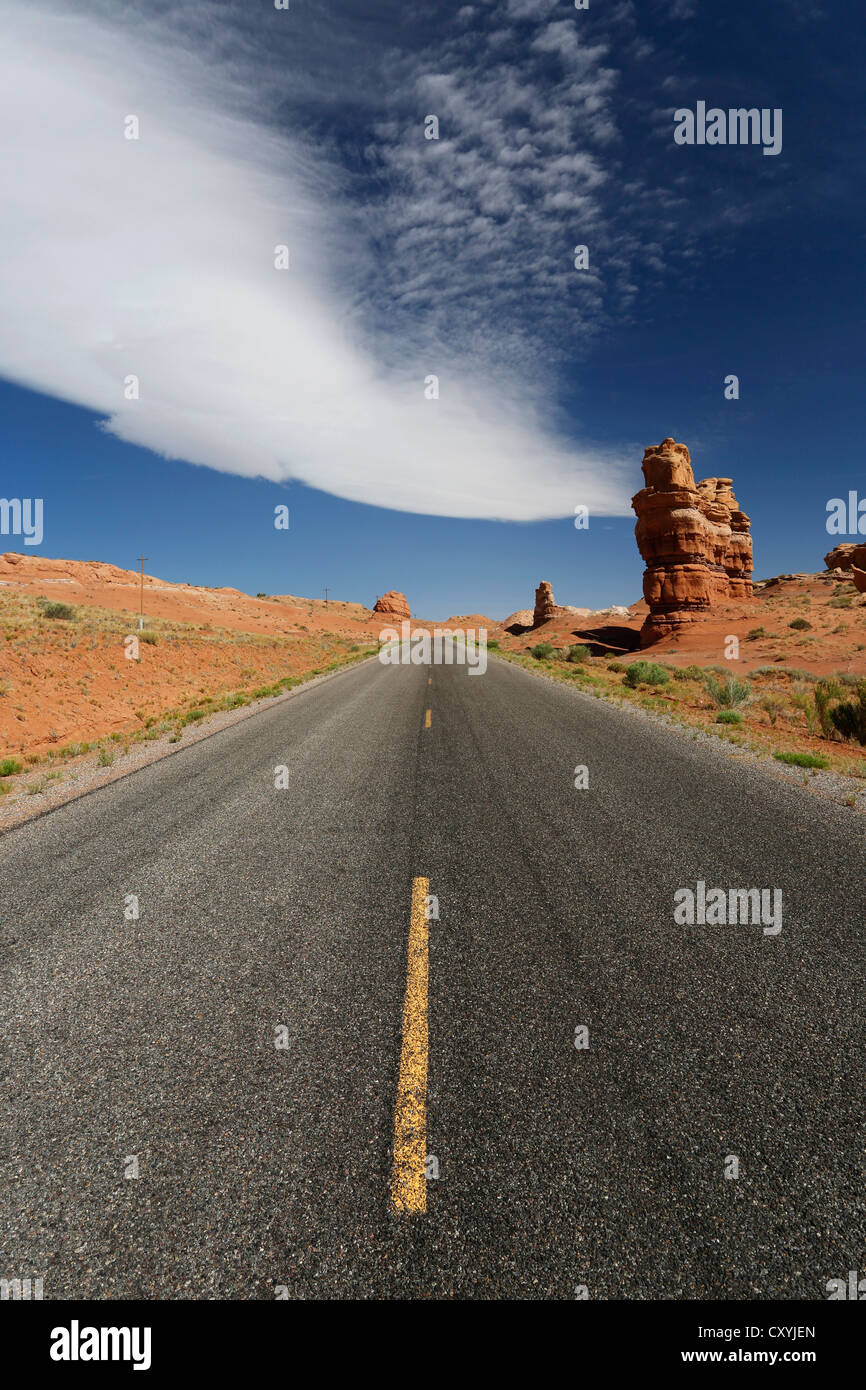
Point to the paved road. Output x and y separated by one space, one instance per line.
559 1167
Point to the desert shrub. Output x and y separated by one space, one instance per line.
802 700
826 692
577 653
796 673
148 635
492 645
58 610
645 673
849 716
755 633
772 704
802 759
727 694
615 666
542 651
692 673
105 758
729 716
801 625
192 715
9 766
843 601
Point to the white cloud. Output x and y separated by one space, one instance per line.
530 9
155 258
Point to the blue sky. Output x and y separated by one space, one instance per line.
408 257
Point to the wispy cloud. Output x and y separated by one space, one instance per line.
483 221
155 258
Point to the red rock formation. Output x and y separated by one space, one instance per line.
694 539
841 558
848 561
522 618
545 607
393 603
853 564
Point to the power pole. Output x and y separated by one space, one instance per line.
326 598
141 560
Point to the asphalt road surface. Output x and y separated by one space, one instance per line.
242 1044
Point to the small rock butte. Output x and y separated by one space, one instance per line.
395 604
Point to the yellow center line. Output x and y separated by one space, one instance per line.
427 718
409 1179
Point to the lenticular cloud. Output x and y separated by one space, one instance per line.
154 258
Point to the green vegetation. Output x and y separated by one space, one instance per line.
645 673
58 610
542 651
578 653
801 625
773 703
849 716
795 673
802 759
803 701
729 716
727 694
826 691
9 766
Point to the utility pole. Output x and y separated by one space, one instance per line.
141 560
326 598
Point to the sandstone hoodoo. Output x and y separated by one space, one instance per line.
394 604
545 607
694 539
